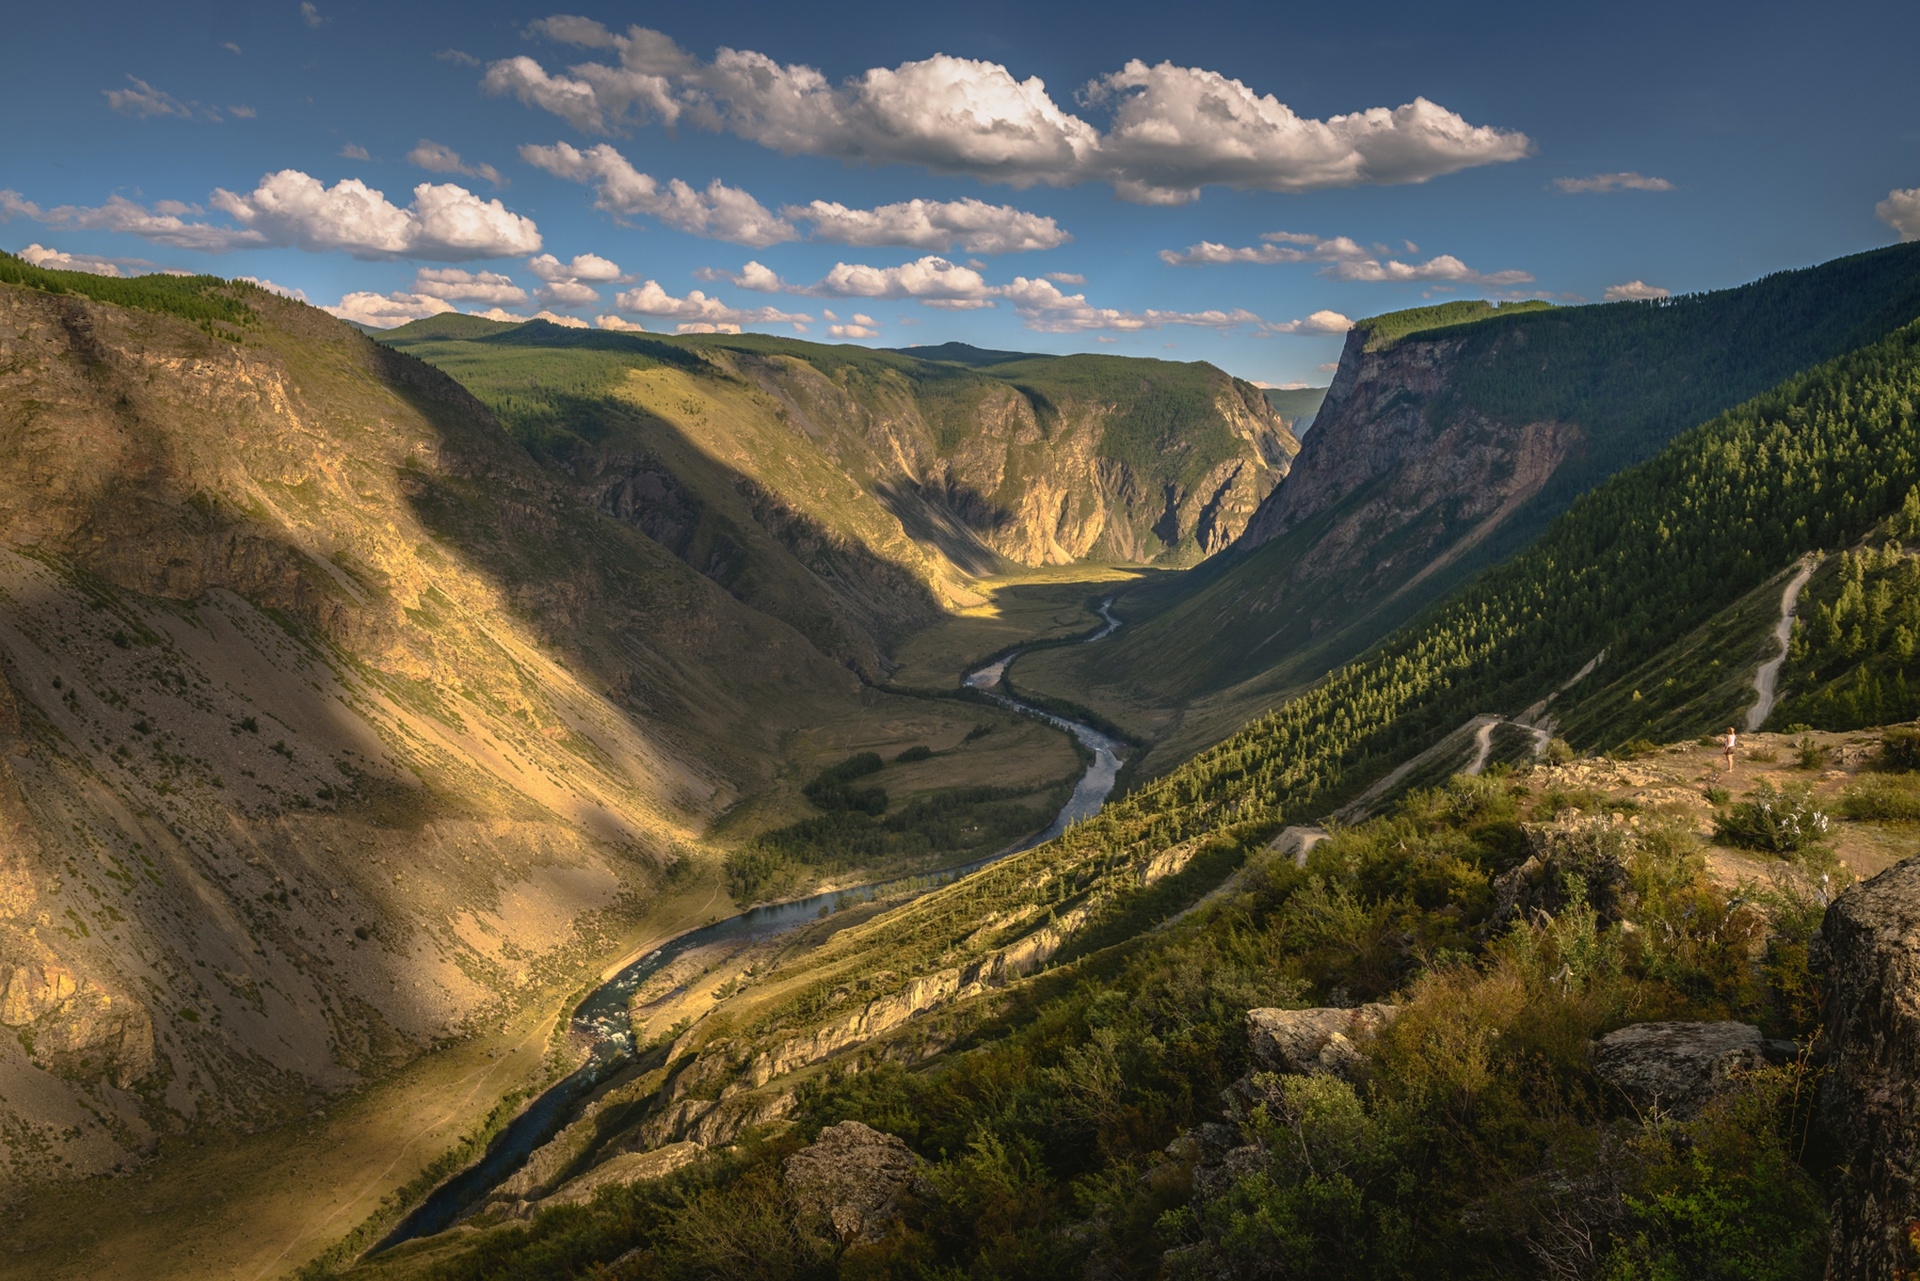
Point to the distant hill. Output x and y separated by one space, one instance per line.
959 353
1296 405
854 493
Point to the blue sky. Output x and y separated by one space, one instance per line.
1220 182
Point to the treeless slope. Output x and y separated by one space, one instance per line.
329 720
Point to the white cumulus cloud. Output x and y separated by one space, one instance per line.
384 311
554 318
618 325
1172 130
1635 290
163 224
1628 181
1177 129
583 267
444 221
719 212
1344 259
649 299
1901 211
936 282
932 280
437 158
755 276
568 293
56 260
862 326
1044 308
456 285
298 295
1320 322
972 225
566 284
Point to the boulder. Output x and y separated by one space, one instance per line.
1310 1041
1870 1100
1676 1067
853 1177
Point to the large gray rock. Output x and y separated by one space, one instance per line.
852 1176
1870 1101
1310 1041
1676 1067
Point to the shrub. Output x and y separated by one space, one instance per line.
1881 799
918 752
1559 752
1721 1196
1900 748
1776 820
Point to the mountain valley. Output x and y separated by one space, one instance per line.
368 704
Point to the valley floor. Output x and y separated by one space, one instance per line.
264 1204
269 1203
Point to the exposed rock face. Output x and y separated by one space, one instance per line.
1676 1067
1592 850
1452 482
1314 1041
1871 1098
853 1177
991 972
626 1168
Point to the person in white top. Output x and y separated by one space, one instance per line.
1733 741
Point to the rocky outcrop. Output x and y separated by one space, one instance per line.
1870 1101
1587 853
852 1177
1311 1042
883 1013
1676 1068
618 1171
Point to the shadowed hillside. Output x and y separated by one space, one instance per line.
329 721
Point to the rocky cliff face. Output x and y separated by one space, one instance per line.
328 720
1871 1097
1447 483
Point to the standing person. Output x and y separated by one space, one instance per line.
1733 741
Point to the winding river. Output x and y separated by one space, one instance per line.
602 1017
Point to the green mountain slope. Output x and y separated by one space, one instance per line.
1072 1082
854 493
1443 449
